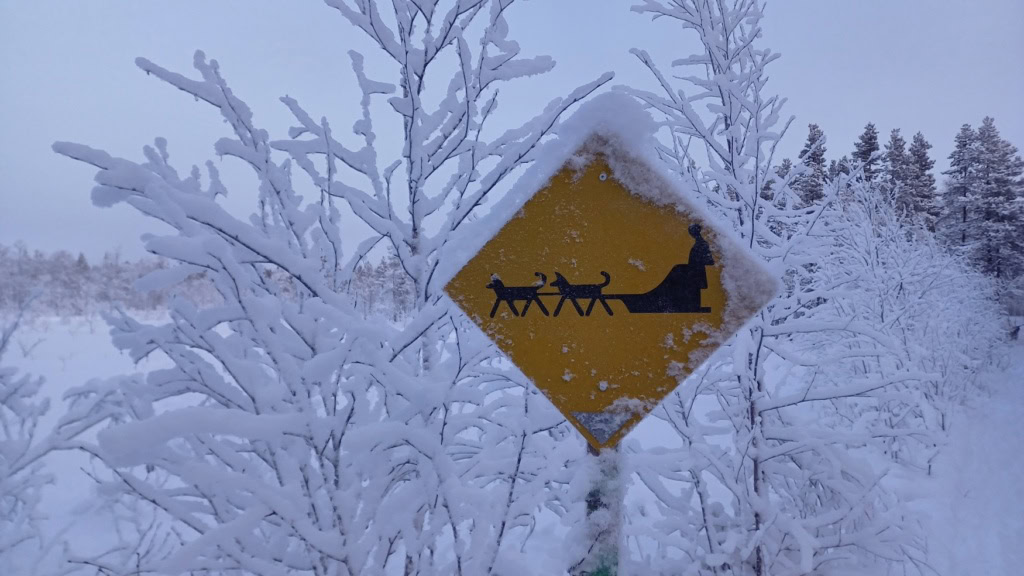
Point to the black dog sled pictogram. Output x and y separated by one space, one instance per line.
678 293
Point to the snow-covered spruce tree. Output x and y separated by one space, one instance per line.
1000 204
865 151
922 182
896 170
959 200
837 167
983 202
811 185
291 435
923 191
780 468
383 289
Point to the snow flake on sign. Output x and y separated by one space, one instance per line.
696 328
670 341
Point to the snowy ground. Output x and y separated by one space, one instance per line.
977 524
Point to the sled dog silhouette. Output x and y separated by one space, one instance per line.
511 294
575 292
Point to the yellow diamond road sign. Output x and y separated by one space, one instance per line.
606 295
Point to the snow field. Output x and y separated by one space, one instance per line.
975 503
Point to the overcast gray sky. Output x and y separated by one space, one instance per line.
67 73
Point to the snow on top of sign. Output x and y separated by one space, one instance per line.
618 127
611 115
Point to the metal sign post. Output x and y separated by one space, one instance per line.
604 517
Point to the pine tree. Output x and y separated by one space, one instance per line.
395 286
999 203
896 170
366 294
835 168
865 149
984 200
1013 230
781 172
783 169
922 182
958 198
811 184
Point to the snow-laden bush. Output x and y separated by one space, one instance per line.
940 314
291 433
22 477
26 440
795 443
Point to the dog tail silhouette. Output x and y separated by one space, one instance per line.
543 278
607 279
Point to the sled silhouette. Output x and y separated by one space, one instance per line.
679 292
676 294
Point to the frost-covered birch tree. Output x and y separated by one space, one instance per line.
292 435
941 313
780 467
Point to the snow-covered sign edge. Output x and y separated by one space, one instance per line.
618 126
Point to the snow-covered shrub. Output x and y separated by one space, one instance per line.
21 471
787 461
939 315
293 434
26 440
